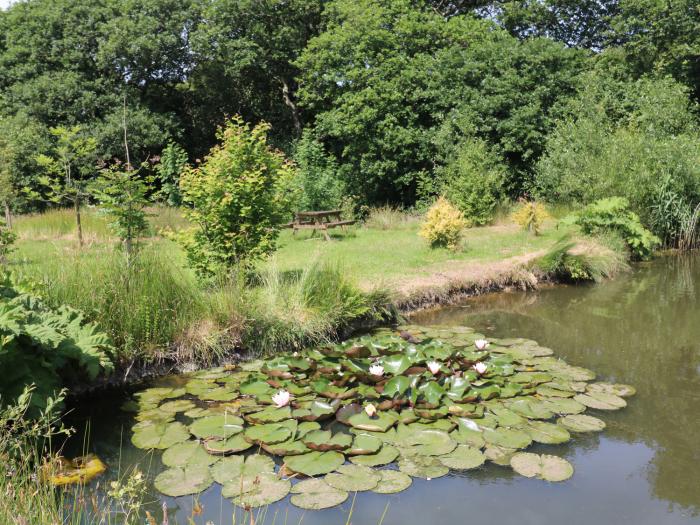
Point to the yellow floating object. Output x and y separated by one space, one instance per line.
63 471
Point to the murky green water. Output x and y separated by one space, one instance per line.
642 329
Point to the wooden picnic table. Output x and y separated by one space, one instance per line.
318 220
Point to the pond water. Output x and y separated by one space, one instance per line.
644 468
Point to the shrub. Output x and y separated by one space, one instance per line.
45 346
7 241
239 197
172 161
321 187
443 225
613 215
473 181
530 216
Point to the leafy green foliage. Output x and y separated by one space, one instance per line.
321 187
7 241
473 181
172 162
46 347
530 216
239 197
613 215
122 195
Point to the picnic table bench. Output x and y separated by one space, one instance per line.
318 220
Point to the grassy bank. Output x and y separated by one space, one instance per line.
310 290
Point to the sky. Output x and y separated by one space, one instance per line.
5 3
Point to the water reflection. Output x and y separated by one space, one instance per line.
642 329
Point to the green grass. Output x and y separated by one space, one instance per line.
379 257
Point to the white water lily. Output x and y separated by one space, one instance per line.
376 370
434 367
370 409
481 344
281 398
480 368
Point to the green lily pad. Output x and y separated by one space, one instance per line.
392 482
223 447
179 405
232 469
601 401
270 415
187 454
290 447
316 494
463 458
323 441
563 406
423 442
269 434
180 481
315 463
262 490
381 422
353 478
364 445
530 408
198 412
427 467
469 437
548 468
507 438
582 423
547 433
386 455
160 435
222 426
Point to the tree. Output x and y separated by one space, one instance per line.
69 169
237 199
172 161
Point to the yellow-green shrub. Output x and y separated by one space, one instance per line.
443 225
530 216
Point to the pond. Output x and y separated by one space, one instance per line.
641 329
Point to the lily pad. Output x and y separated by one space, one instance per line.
601 401
186 454
222 426
269 434
381 422
392 481
547 433
353 478
364 445
610 388
424 442
323 441
160 435
427 467
270 415
266 488
316 494
582 423
290 447
315 463
179 405
386 455
224 447
548 468
180 481
463 458
234 468
499 455
507 438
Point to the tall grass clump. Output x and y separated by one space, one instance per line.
60 224
142 306
291 310
578 261
25 497
389 218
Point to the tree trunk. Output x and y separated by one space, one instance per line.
292 106
8 215
76 205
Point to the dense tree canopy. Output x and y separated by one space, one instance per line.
384 90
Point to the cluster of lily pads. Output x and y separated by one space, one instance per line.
369 414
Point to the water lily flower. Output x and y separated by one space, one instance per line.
434 367
371 410
481 344
480 368
376 370
281 398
